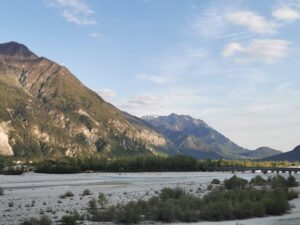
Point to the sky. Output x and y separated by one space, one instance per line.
232 63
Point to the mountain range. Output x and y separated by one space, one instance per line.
291 156
195 138
46 110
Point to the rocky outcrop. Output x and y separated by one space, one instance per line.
5 148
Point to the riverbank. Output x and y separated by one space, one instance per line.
44 190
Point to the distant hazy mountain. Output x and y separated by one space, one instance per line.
262 152
45 110
195 138
291 156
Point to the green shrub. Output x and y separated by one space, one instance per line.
235 183
68 194
69 219
291 182
93 204
102 200
43 220
292 195
238 201
86 192
81 139
258 181
1 191
215 181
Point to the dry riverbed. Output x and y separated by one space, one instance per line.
34 194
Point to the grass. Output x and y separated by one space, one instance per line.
42 220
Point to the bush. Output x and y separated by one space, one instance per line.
292 195
102 200
1 191
215 181
43 220
70 219
68 194
258 181
235 183
238 201
93 204
86 192
291 182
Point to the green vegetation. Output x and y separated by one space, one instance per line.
86 192
239 199
215 181
68 194
43 220
178 163
102 200
235 183
132 164
70 219
1 191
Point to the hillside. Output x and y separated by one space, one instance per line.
262 152
46 110
291 156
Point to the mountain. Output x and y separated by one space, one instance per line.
262 152
291 156
46 110
195 138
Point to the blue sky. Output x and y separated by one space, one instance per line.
233 63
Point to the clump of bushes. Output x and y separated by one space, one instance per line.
70 219
68 194
43 220
13 170
215 181
235 183
258 181
86 192
237 200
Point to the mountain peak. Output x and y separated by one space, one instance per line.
15 49
297 148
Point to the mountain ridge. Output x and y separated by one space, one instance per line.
293 155
47 110
194 137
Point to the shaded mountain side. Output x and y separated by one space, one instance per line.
291 156
45 109
194 137
261 152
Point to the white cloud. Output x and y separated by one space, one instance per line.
76 5
79 20
74 11
265 50
232 48
251 20
155 79
107 94
286 14
95 35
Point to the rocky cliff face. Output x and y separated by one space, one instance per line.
5 148
51 112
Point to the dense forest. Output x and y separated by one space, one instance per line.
126 164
